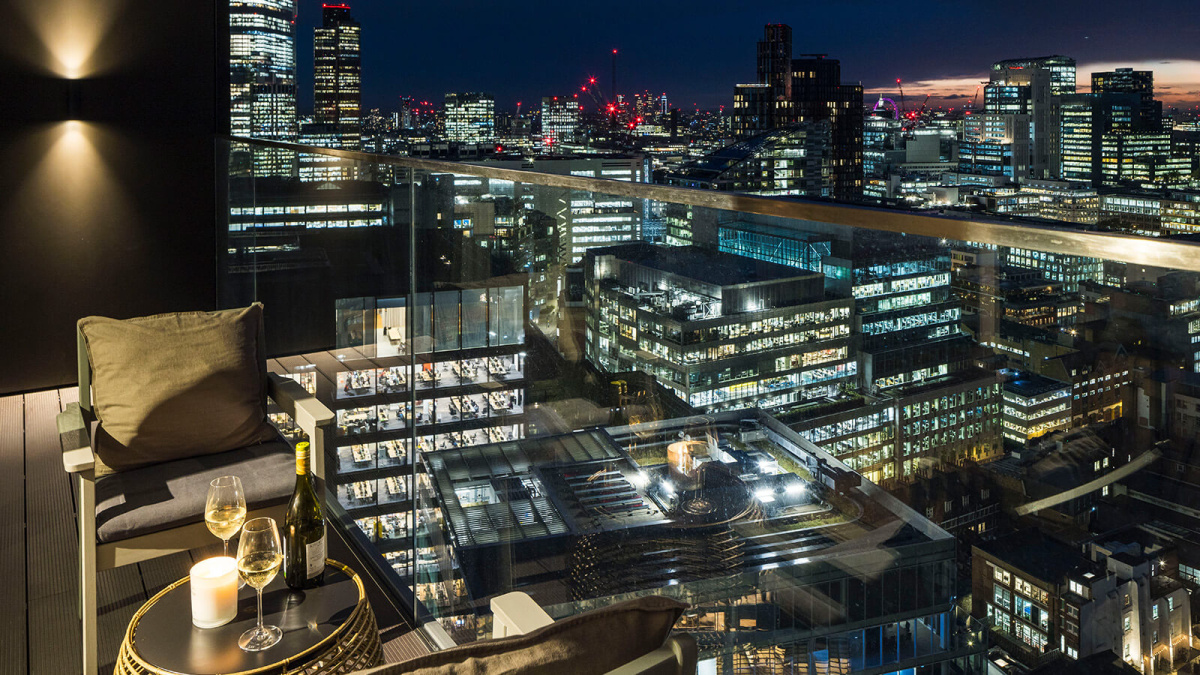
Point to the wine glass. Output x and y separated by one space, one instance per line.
225 508
259 558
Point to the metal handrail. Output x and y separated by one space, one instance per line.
1061 240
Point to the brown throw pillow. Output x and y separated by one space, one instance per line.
173 386
591 643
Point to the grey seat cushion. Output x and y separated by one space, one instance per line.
162 496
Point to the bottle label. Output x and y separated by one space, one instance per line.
314 554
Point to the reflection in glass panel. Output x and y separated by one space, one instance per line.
422 323
474 318
445 316
506 321
717 421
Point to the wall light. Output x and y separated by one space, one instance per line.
74 96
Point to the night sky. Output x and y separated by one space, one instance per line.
696 51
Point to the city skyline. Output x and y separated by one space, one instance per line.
927 48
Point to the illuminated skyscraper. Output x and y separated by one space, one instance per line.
337 69
1033 87
560 117
262 75
470 118
1061 69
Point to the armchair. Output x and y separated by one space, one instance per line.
144 512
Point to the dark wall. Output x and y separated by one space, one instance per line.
109 178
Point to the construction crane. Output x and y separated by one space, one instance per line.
912 118
901 96
971 102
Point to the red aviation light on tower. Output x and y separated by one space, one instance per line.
614 51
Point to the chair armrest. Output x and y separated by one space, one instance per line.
302 406
516 614
438 635
76 443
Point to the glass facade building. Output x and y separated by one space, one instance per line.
470 118
337 72
262 76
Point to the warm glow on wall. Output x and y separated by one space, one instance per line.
71 32
72 186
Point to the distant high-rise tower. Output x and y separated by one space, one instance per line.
775 59
1130 81
818 94
560 118
1031 89
809 89
337 71
262 75
470 118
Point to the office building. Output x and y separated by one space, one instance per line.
470 118
904 308
1068 270
792 161
1061 69
467 361
718 330
262 78
1033 87
909 431
585 219
560 119
274 207
1034 406
810 90
1175 212
1129 156
1040 594
1130 81
337 72
997 145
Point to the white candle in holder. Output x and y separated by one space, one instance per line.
214 592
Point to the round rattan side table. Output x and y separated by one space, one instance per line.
326 630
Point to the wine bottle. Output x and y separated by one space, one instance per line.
304 530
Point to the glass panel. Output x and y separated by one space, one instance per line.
590 396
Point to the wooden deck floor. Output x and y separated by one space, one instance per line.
39 625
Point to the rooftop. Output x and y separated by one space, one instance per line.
1029 385
1033 552
640 492
702 264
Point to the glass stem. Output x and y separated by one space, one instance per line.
226 543
260 626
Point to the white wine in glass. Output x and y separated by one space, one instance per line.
260 555
225 508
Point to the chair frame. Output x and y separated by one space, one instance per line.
310 415
516 613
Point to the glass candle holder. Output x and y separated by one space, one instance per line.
214 592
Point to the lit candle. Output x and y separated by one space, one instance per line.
214 592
